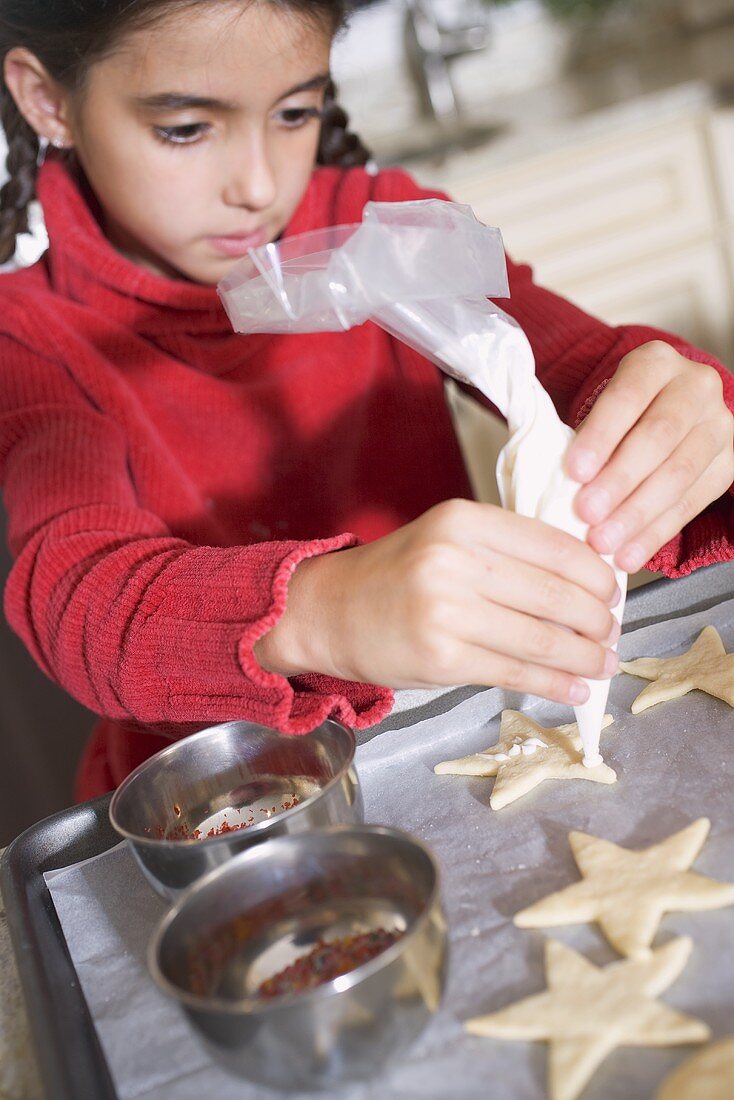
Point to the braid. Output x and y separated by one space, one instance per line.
338 146
22 166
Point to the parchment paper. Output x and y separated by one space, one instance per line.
675 763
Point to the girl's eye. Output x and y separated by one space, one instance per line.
293 117
181 135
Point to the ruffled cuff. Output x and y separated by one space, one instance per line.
299 704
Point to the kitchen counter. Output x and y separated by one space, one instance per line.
614 181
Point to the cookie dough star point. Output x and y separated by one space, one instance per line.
627 891
708 1075
706 666
586 1011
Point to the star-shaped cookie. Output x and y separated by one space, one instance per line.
708 1075
587 1011
525 755
627 891
706 667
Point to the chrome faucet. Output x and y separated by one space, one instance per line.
436 32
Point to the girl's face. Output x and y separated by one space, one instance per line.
198 135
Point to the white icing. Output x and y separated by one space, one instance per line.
593 761
526 746
530 744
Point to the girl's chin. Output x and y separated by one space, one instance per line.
206 269
205 272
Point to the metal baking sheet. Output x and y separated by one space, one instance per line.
70 1057
664 599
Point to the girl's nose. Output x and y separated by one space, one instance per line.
251 181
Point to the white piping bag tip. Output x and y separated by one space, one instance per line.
593 760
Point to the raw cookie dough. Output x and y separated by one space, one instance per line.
627 892
525 755
587 1011
706 667
708 1075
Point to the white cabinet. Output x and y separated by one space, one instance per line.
688 294
721 137
721 133
635 225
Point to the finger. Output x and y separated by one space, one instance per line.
639 378
534 591
666 422
514 634
483 527
495 670
633 555
660 492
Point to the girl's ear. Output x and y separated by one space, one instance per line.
39 98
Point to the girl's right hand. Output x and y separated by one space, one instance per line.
466 593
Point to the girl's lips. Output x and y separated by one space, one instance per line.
239 246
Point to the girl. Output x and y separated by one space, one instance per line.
207 526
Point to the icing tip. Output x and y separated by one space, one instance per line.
593 761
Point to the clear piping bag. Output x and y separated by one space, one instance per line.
424 271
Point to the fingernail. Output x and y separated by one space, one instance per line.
611 661
632 558
616 597
584 463
613 634
609 537
578 692
596 504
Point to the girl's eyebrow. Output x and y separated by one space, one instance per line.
315 84
180 101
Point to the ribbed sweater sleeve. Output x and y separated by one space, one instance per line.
137 624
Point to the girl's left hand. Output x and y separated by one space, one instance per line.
654 451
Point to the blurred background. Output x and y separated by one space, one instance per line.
597 134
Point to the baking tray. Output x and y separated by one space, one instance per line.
70 1058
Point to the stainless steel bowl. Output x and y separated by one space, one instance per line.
237 774
246 921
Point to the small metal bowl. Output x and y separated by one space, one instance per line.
247 921
236 774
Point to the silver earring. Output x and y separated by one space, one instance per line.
58 143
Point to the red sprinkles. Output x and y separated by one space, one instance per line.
328 960
182 832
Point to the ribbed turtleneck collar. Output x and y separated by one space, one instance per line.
84 266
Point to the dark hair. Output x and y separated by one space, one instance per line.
68 36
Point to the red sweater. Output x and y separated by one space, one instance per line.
163 476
